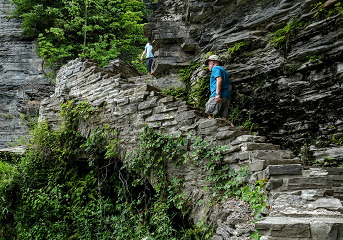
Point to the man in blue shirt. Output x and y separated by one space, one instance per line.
149 57
220 86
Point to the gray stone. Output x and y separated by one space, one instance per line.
148 104
170 81
328 229
250 146
208 123
256 166
217 237
274 184
226 134
333 154
289 169
286 227
22 81
159 117
327 203
314 194
309 183
239 156
249 138
20 150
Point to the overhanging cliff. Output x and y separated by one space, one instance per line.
285 61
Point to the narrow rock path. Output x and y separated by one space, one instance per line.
303 202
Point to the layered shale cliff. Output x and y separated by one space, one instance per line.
292 90
302 202
22 80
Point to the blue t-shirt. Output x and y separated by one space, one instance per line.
218 71
149 54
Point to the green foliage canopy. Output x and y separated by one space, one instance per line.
97 29
46 194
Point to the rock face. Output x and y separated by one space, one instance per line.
293 93
22 80
302 201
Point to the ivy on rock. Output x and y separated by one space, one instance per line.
70 187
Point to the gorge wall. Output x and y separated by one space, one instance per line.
22 80
293 91
302 202
295 95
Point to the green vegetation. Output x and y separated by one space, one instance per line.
194 93
282 36
314 57
207 55
235 48
255 235
337 141
322 144
97 29
325 162
321 8
8 115
50 193
156 149
186 73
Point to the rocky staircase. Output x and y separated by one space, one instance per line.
303 202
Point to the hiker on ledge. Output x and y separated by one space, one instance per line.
149 57
220 86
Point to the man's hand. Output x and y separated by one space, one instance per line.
218 99
141 59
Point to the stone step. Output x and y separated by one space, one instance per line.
301 183
329 170
285 228
248 138
338 192
144 79
251 146
278 171
259 165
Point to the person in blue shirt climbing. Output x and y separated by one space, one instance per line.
149 57
220 87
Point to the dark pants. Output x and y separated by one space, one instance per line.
149 62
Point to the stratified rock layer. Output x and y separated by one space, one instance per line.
301 200
294 93
22 81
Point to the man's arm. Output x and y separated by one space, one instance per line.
143 55
218 88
